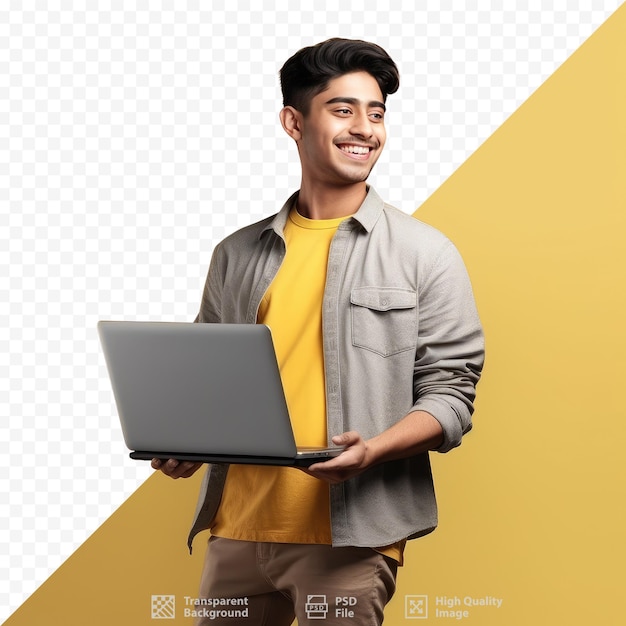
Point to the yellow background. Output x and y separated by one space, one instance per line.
532 506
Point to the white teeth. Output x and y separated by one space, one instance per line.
355 149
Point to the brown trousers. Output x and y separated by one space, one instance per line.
269 584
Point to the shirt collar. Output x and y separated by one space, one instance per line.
367 214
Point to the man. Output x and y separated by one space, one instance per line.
380 348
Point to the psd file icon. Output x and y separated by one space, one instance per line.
316 607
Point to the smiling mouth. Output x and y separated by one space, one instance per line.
355 150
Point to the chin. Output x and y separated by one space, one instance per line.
357 177
352 175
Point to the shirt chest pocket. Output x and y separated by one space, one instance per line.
384 319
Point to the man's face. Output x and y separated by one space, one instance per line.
343 134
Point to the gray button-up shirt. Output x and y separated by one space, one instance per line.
400 333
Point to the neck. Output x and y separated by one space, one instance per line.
323 203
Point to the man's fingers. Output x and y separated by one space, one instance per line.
346 439
174 468
191 469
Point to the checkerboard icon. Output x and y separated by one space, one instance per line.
163 607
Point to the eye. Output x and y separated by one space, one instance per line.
343 111
378 117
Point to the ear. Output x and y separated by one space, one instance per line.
291 119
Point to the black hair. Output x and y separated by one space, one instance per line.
308 72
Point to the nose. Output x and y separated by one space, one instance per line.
362 126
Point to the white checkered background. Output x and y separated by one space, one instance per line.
134 136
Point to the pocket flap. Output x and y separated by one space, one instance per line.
383 298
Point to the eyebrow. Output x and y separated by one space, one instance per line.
355 101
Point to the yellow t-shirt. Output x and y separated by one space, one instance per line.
281 504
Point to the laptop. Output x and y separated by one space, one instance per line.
201 392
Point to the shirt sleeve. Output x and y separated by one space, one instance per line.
211 304
450 351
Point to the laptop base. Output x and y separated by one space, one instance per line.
302 460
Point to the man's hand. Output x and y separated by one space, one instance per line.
176 469
351 462
416 433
